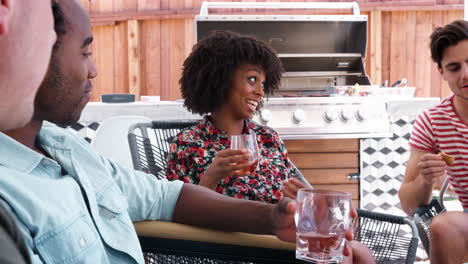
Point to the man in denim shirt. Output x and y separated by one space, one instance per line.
75 206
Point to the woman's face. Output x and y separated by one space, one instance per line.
246 91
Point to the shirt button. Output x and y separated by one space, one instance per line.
82 242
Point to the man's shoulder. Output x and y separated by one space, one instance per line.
56 137
50 130
442 110
445 106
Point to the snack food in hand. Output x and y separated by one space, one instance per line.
447 158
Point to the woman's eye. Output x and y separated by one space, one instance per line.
252 79
87 54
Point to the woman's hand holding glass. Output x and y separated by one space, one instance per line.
247 142
226 163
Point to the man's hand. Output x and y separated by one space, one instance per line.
349 234
432 167
282 218
226 163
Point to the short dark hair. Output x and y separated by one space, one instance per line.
444 37
60 23
209 70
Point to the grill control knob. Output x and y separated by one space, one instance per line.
265 116
298 116
361 115
330 115
346 115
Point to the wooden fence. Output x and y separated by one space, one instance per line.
140 45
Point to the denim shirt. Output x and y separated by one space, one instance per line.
78 207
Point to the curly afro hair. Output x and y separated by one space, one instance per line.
209 70
444 37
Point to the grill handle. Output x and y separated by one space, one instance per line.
280 5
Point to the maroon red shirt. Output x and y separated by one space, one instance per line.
195 148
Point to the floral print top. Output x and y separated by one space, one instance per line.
195 148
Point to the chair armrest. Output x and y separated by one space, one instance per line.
185 232
423 217
431 209
168 243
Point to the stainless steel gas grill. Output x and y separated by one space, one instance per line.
321 54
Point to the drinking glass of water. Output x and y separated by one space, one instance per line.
248 142
322 218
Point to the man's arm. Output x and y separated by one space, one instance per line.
422 171
200 206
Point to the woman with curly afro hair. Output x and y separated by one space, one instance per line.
225 79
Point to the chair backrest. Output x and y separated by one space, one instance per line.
111 136
424 215
149 144
383 235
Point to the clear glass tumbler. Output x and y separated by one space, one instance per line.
322 218
248 142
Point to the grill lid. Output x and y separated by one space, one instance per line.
317 51
295 35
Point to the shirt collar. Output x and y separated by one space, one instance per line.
19 157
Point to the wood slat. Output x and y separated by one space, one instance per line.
329 176
325 160
165 63
375 44
423 65
386 46
134 67
151 57
121 55
410 58
103 55
322 145
436 79
177 57
397 42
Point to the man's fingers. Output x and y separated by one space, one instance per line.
353 212
287 206
428 157
347 249
432 164
349 235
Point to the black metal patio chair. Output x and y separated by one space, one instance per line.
383 234
149 145
423 216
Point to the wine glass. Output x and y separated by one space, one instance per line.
248 142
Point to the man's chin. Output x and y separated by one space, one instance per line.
463 96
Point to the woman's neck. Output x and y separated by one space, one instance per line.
227 123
